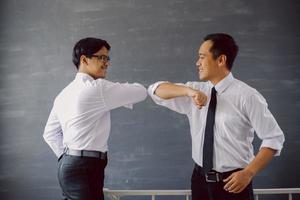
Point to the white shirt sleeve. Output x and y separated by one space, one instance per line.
264 123
181 105
122 94
53 134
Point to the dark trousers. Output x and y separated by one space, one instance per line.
81 178
201 190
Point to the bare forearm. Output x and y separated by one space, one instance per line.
170 90
261 160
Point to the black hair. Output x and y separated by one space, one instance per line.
87 47
223 44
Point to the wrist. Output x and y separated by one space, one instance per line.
189 92
249 172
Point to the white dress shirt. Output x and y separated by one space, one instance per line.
240 111
80 117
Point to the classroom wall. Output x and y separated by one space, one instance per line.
149 146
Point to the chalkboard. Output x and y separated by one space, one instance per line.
149 146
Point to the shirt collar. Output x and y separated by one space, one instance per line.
85 76
223 84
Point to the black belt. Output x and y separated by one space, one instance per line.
214 176
85 153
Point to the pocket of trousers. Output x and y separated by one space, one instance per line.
74 181
246 194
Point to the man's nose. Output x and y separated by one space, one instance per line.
198 63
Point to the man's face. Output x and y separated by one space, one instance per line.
98 64
206 64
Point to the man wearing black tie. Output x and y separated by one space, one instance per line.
223 113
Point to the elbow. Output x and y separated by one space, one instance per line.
154 90
45 137
138 93
161 93
143 93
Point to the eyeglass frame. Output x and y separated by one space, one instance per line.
103 58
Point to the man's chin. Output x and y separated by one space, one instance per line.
102 75
202 78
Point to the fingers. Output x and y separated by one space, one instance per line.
237 189
234 187
240 189
199 99
202 99
228 178
196 103
235 184
230 182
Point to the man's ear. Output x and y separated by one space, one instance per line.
222 60
83 60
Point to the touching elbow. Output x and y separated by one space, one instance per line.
45 136
143 93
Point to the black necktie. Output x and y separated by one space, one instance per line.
208 147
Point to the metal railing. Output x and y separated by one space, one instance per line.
287 191
117 194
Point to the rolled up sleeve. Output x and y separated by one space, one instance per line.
264 124
178 104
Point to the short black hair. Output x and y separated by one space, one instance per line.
87 46
223 44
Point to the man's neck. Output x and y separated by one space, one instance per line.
82 70
219 77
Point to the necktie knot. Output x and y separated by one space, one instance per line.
213 91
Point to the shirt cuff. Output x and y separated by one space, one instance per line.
152 88
272 144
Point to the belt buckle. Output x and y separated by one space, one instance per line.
212 177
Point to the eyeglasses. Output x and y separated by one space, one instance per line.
103 58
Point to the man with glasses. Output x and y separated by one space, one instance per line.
222 130
79 123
